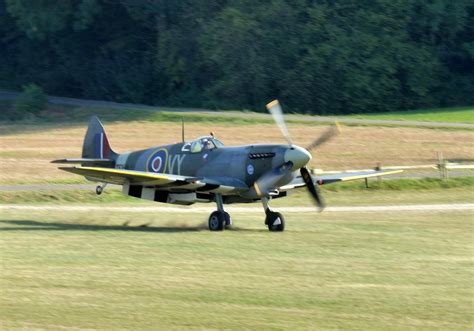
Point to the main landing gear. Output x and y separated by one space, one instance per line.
219 219
273 219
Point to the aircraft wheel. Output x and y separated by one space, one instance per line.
217 221
98 190
275 221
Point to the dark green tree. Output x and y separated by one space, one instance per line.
321 56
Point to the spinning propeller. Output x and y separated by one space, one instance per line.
269 179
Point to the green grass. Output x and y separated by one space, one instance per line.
452 115
69 114
391 271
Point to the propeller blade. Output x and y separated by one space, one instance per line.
325 137
270 179
275 109
312 188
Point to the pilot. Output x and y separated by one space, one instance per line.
207 144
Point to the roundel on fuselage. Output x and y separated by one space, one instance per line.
158 161
250 169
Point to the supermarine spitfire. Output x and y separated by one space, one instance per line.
204 170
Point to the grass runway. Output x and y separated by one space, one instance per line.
331 271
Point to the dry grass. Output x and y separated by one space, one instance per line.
390 271
25 155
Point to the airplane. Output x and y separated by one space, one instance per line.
204 170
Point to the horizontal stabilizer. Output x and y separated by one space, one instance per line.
102 162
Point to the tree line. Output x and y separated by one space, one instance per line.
316 56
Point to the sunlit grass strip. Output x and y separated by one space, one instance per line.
452 115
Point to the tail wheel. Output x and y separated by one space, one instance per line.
98 190
275 221
217 221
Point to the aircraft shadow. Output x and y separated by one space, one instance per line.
28 225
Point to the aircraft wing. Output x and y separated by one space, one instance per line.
143 178
340 177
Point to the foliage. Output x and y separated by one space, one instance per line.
319 57
32 100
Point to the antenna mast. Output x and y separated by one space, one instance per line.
182 129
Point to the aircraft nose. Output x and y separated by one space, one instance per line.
298 155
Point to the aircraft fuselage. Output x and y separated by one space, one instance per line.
234 166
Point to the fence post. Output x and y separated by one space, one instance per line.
443 170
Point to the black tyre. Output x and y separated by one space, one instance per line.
216 221
98 190
275 221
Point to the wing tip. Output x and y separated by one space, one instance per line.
272 104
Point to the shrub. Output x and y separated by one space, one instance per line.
32 100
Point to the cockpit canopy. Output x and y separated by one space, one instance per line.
202 143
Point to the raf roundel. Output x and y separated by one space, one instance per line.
250 169
157 161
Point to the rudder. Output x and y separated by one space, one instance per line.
96 144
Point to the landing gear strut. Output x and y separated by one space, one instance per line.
273 219
100 188
219 219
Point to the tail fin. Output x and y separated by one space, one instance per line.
96 145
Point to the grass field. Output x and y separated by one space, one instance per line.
452 115
338 271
